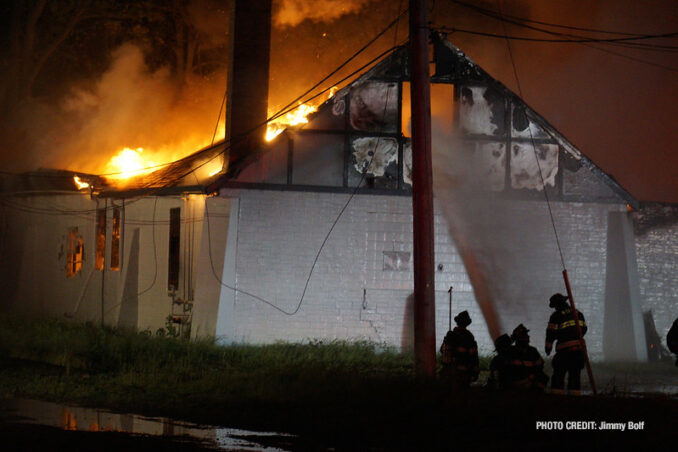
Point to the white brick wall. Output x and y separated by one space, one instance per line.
351 296
657 254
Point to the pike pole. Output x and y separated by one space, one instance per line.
449 328
422 194
581 336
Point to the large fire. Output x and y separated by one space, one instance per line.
128 163
293 118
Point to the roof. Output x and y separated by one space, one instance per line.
287 163
186 175
577 177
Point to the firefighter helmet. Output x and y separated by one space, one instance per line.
520 332
502 342
463 319
557 300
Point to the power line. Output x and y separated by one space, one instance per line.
631 45
522 22
581 42
335 222
556 41
534 149
291 106
286 109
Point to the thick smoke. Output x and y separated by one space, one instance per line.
291 13
129 106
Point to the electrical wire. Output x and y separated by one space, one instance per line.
227 144
334 224
534 149
566 41
286 109
155 266
80 212
521 22
221 108
584 43
395 22
522 19
630 45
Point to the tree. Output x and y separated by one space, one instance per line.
172 34
36 29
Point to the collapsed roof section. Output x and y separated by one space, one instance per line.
187 175
359 139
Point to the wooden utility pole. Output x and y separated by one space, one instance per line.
422 193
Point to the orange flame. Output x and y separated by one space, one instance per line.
293 118
81 184
128 163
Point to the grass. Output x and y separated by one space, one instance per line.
88 364
328 390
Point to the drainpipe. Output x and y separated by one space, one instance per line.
422 193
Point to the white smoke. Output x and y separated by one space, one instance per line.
290 13
129 106
507 247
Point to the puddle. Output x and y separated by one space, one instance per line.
74 418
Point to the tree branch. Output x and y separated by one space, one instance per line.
37 67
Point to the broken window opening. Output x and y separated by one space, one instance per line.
76 253
115 240
174 248
100 251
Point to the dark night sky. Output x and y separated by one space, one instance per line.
619 111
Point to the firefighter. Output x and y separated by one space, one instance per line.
460 353
499 366
672 339
526 367
569 358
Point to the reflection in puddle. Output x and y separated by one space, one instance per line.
94 420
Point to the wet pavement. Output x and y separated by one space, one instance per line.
37 425
29 415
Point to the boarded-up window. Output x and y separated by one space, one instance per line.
115 240
174 248
100 251
76 252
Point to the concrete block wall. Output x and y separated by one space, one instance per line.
583 234
657 255
350 295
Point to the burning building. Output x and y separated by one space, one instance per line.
309 235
